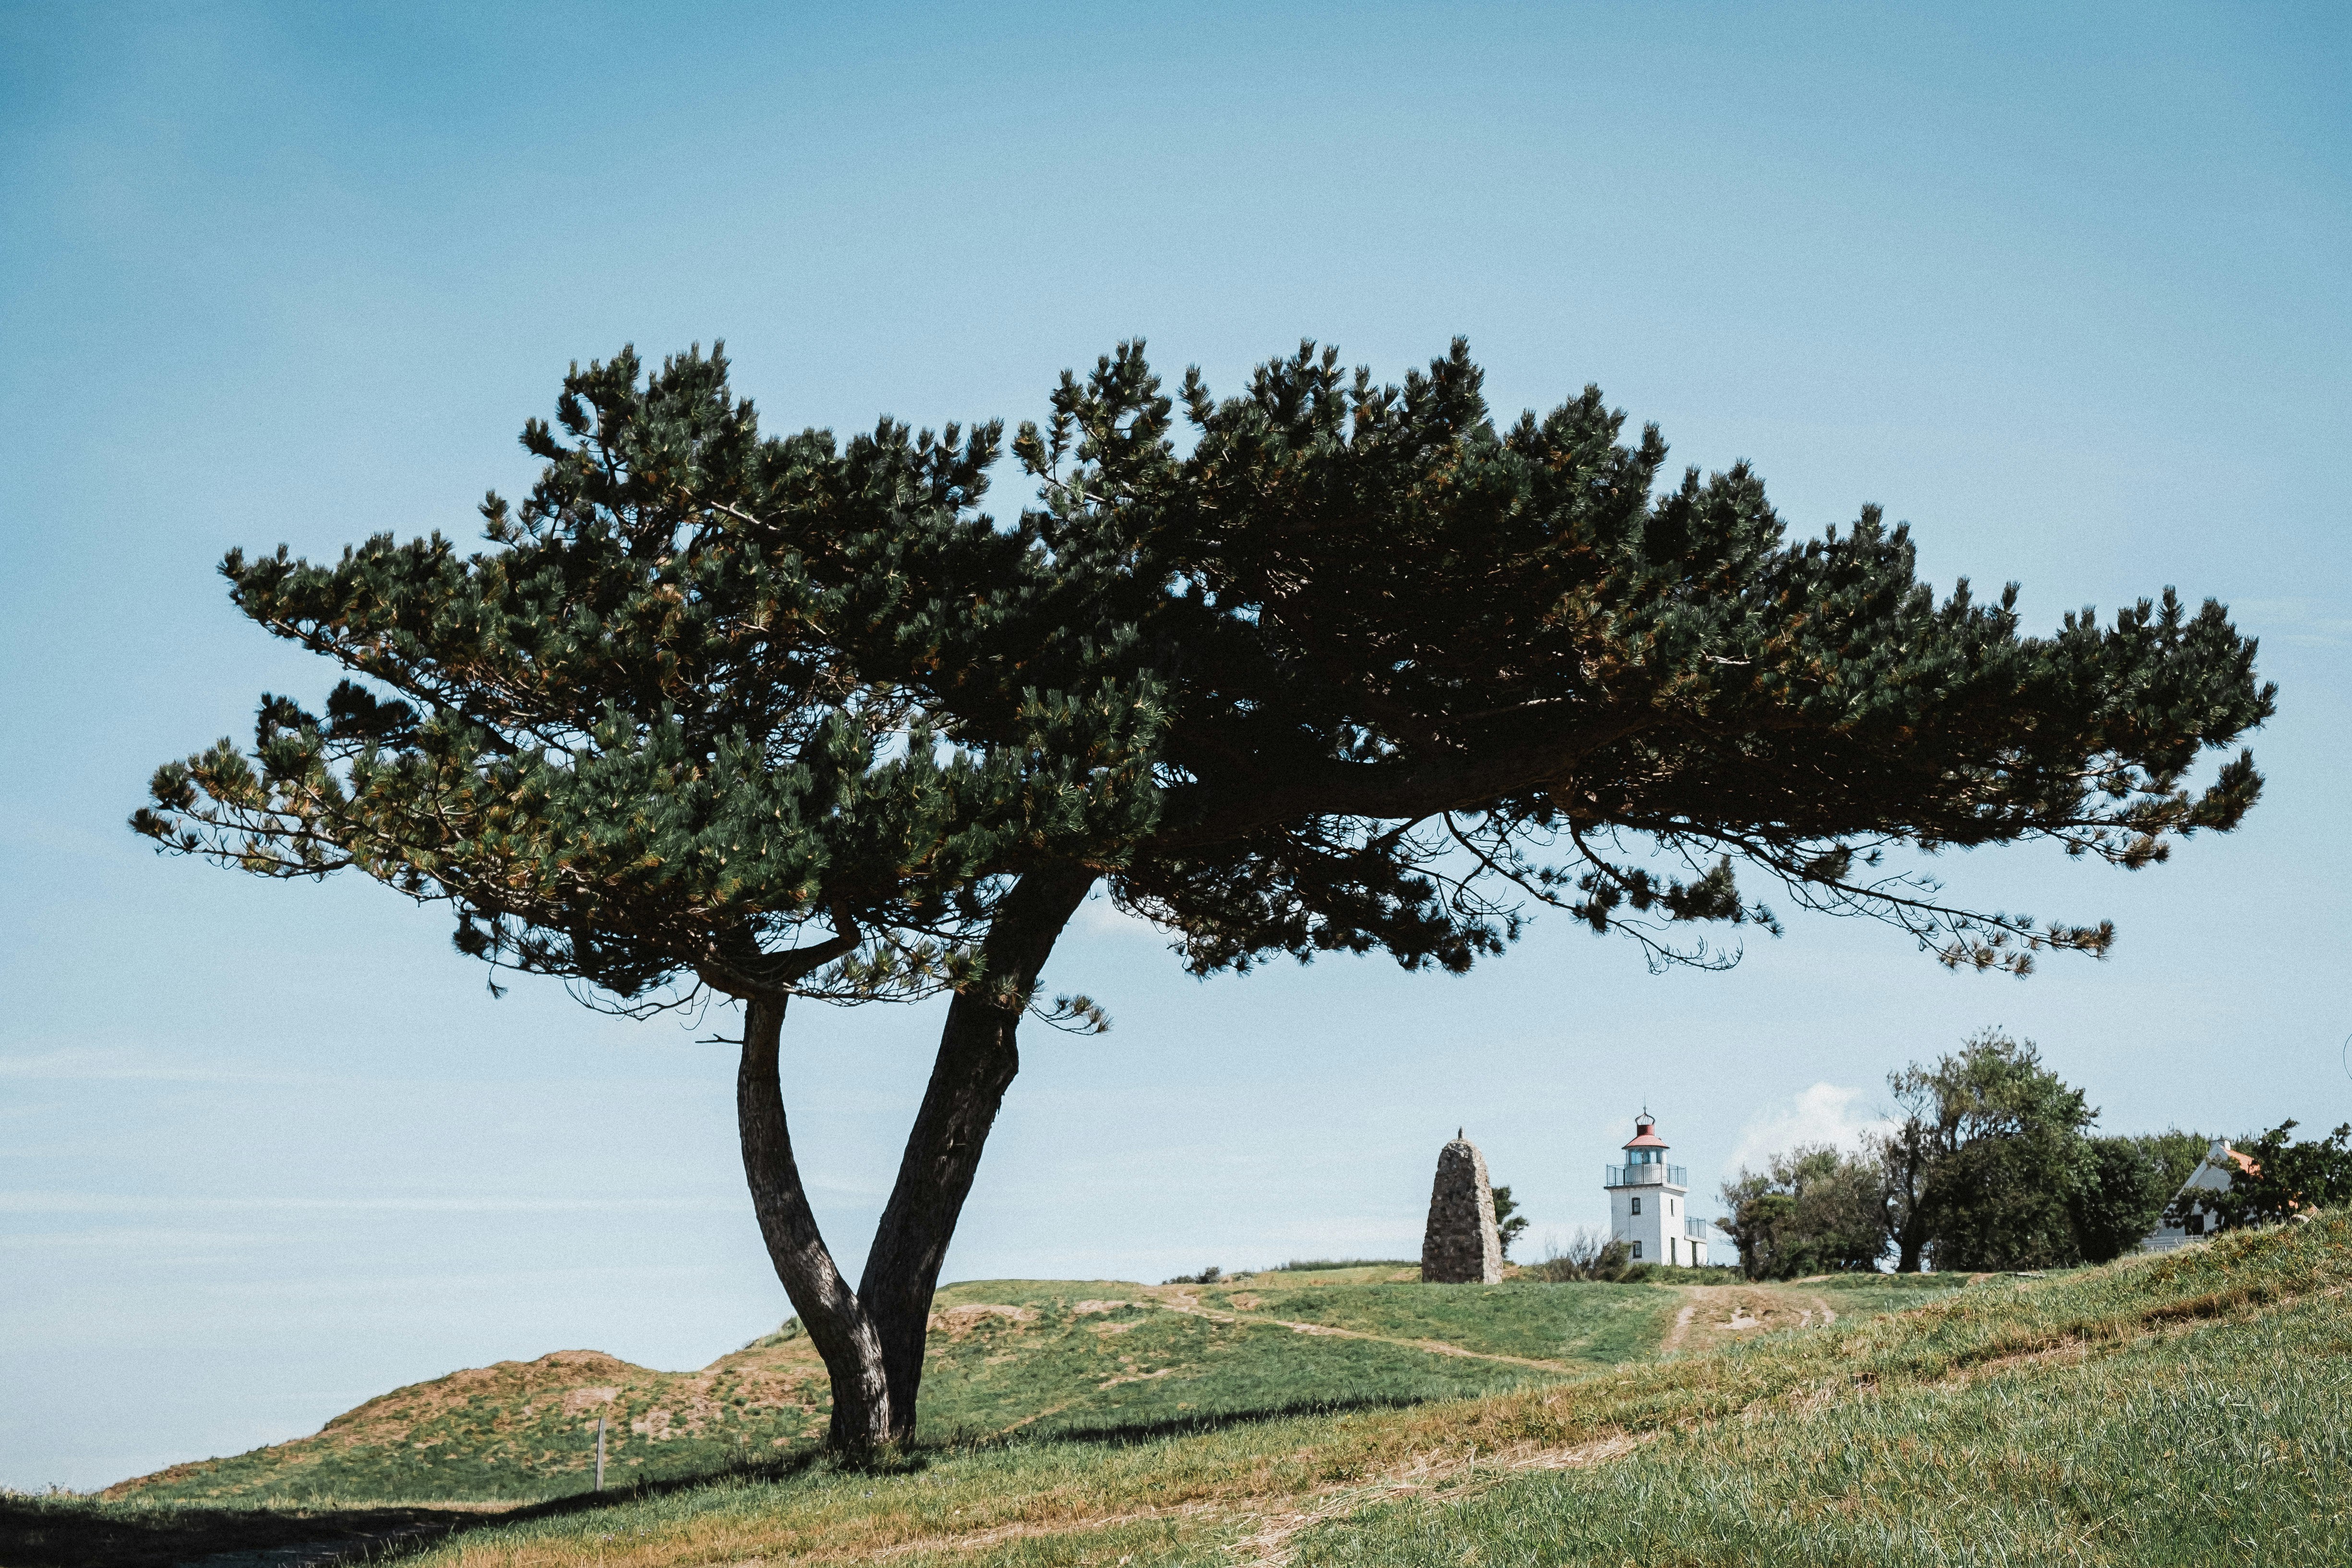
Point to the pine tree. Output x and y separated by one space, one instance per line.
773 717
630 745
1425 674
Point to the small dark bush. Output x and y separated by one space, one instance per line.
1591 1254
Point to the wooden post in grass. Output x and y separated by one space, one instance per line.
600 1453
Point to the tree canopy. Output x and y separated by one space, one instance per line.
1988 1160
1991 1165
1424 672
1340 667
1813 1210
641 737
2291 1177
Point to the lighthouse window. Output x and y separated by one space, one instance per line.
1637 1206
1637 1250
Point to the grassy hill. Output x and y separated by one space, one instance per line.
2183 1409
1006 1356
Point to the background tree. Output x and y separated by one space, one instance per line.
1508 1221
2289 1178
2174 1153
1812 1210
1991 1167
1357 669
2014 1161
2129 1181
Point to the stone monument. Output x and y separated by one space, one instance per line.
1460 1246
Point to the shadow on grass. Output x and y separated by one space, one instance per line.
82 1532
1133 1433
85 1532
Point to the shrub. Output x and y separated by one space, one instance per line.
1589 1253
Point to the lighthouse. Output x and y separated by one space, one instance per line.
1647 1207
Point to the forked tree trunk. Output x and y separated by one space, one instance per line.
837 1325
978 1058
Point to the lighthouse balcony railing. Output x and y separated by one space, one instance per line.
1698 1230
1645 1176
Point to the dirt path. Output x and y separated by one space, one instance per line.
1270 1545
1279 1521
1713 1314
1176 1299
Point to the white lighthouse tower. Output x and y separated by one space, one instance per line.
1646 1202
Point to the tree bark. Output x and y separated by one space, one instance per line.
837 1325
978 1058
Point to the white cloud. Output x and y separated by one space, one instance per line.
1824 1113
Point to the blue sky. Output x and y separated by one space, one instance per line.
2070 288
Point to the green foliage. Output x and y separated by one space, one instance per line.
1356 669
1508 1221
2175 1153
1987 1166
2290 1180
2126 1182
1812 1210
1591 1253
1423 671
651 734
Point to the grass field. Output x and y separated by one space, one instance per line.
2181 1410
1045 1357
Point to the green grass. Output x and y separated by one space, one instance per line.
524 1431
1598 1325
1324 1265
2222 1442
2191 1408
2184 1409
1139 1364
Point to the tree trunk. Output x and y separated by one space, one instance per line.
977 1060
837 1325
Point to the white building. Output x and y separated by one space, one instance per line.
1647 1205
2212 1174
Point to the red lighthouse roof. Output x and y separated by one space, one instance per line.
1645 1135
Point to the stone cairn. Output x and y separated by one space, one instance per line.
1460 1248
